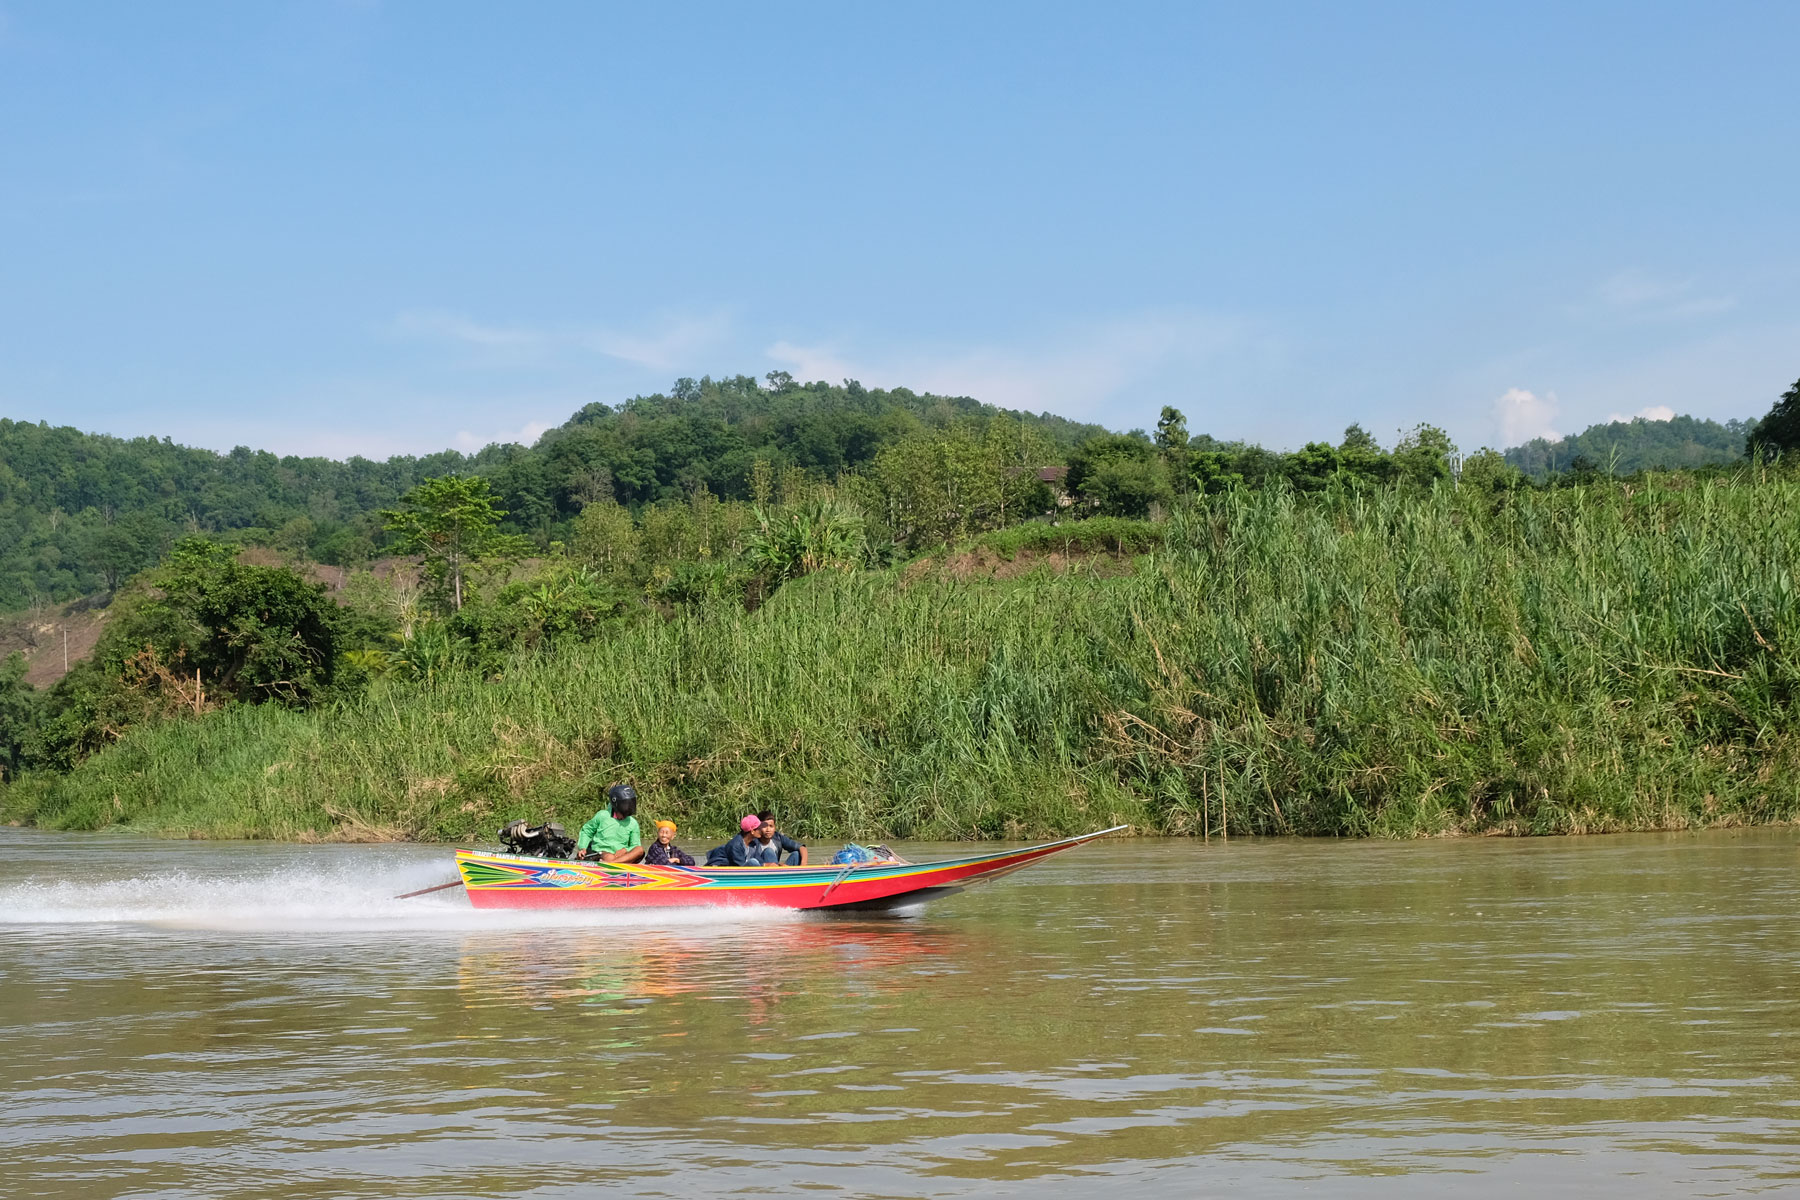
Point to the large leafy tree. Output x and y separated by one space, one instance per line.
931 490
252 632
1423 456
199 630
1120 475
1779 431
116 550
451 522
1313 466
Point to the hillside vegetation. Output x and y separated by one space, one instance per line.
1358 661
81 513
1625 447
895 615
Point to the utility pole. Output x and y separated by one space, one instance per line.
65 649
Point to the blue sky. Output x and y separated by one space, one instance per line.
382 227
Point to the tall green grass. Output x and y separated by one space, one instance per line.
1362 662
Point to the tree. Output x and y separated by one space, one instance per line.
933 490
121 548
1487 470
1172 443
606 539
200 629
1310 468
1212 472
1422 456
254 632
1171 430
1779 431
452 521
1361 456
1119 475
16 713
1014 453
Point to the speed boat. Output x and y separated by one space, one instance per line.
519 881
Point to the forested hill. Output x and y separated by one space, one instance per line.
79 512
1621 447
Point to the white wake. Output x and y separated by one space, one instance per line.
335 893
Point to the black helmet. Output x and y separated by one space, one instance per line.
624 799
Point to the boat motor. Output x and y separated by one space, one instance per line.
537 841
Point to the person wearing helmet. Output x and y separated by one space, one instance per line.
613 834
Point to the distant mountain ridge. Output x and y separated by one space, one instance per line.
79 511
1636 445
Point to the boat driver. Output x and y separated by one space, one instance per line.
613 834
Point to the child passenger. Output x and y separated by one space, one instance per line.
787 852
663 852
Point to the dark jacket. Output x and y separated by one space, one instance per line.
735 853
659 855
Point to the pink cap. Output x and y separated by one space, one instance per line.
749 823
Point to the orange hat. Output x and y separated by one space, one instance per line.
669 825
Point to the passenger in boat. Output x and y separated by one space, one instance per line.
663 852
762 845
613 834
788 852
744 850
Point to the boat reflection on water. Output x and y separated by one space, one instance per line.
761 959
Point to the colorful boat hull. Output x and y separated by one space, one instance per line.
514 881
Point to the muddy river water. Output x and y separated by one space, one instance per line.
1613 1016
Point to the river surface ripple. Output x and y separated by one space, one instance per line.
1611 1016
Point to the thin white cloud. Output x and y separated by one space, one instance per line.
525 435
452 327
668 343
1520 415
1655 412
1085 373
672 347
1640 296
809 364
1635 289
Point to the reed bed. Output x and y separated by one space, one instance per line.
1361 662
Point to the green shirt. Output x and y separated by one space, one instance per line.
608 835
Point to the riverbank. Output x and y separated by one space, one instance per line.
1365 663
